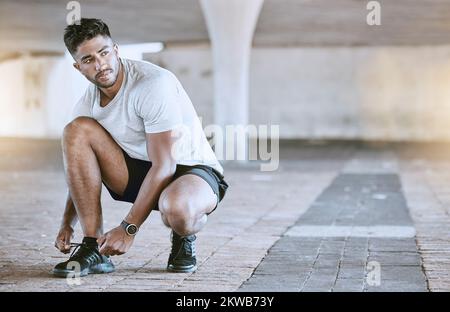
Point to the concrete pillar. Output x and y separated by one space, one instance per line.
231 24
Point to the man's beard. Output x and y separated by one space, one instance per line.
104 85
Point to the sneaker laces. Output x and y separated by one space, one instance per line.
83 251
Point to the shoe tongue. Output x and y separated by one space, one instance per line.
84 251
90 241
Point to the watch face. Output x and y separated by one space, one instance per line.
132 229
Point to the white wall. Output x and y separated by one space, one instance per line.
37 95
387 93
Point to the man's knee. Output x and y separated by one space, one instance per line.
79 128
179 214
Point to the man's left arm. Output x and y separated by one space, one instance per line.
159 149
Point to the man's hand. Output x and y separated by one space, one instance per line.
63 238
115 242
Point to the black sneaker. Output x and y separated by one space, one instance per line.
89 259
182 257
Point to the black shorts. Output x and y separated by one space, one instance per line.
137 170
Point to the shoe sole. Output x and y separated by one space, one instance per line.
98 269
182 269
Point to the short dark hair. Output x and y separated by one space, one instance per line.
84 29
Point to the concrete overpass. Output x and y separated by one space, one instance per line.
317 68
37 25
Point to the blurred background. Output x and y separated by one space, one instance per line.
360 91
316 67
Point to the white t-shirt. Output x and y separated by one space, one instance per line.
150 100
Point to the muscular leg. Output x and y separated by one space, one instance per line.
90 153
185 202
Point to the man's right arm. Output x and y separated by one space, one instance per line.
67 224
70 217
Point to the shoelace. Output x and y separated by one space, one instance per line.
191 250
84 252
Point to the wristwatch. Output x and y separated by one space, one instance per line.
130 229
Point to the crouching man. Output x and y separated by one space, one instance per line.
126 133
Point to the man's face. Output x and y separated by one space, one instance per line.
98 60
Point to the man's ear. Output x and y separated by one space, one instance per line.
77 66
116 48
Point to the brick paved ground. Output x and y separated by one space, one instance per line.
262 232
